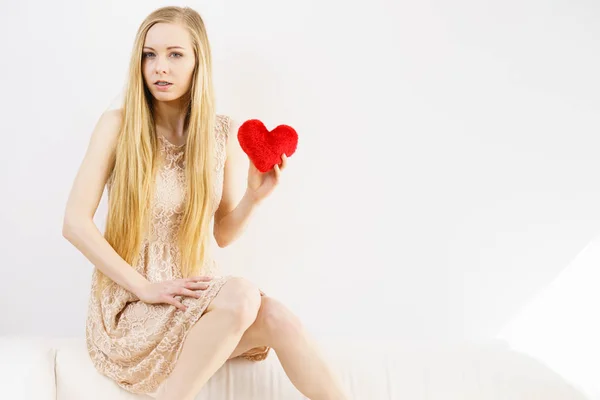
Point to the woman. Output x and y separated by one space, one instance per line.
160 320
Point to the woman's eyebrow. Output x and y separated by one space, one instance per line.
168 48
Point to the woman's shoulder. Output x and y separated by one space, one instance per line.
115 115
109 126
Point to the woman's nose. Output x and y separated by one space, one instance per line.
161 66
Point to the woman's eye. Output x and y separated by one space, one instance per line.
146 55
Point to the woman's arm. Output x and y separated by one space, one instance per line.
236 207
78 225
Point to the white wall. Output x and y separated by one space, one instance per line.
560 326
446 170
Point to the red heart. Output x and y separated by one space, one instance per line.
264 147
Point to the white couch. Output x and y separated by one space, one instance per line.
59 369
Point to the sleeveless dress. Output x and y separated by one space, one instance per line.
137 344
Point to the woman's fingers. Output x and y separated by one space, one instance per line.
199 279
188 292
252 168
197 285
189 287
174 302
277 172
277 168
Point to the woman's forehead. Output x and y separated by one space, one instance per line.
165 36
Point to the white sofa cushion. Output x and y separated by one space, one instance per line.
371 370
374 371
238 379
26 369
363 367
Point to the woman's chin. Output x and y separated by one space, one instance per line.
165 96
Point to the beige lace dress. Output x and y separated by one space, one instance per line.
137 344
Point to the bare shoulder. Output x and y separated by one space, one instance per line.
106 132
111 120
116 114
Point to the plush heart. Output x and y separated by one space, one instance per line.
264 147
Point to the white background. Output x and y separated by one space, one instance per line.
447 167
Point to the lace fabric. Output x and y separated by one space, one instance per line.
137 344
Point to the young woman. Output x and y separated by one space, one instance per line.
160 320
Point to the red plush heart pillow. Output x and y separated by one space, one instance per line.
264 147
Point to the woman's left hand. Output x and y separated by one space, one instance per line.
260 185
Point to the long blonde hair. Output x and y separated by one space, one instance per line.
137 147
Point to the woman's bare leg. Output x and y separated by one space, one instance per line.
212 339
298 353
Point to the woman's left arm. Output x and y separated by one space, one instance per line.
237 205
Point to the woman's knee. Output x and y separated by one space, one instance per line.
277 322
240 299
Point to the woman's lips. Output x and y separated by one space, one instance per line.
163 87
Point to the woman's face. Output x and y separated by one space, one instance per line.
168 56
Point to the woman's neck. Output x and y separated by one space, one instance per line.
169 118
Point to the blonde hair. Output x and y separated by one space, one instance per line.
136 153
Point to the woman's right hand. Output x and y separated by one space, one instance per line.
167 291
